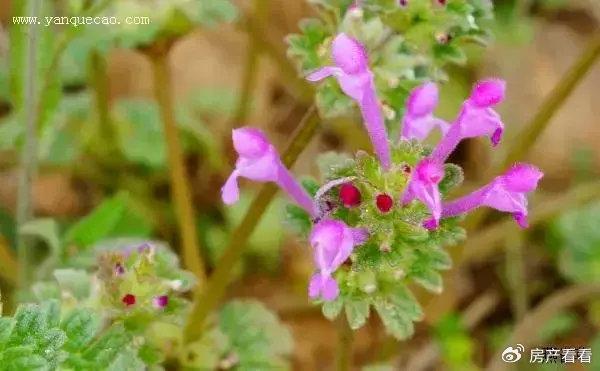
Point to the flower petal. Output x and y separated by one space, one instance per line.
349 54
230 192
250 142
422 100
488 93
323 72
522 178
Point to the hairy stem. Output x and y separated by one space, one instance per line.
180 190
207 299
29 154
344 350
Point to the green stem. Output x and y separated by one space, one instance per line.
207 299
29 154
106 146
66 38
180 191
344 350
515 274
251 67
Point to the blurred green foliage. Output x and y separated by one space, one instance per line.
575 237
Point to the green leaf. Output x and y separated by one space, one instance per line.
331 309
7 325
104 350
253 330
298 219
576 234
19 359
140 132
395 321
107 220
31 323
127 360
429 279
449 53
357 312
80 327
205 353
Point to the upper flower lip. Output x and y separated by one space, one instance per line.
422 100
522 177
349 54
488 92
250 142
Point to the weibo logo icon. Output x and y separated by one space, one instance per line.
511 355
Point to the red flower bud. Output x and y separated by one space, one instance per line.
384 202
350 195
128 299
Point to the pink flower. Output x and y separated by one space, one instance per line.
476 118
159 302
356 80
418 121
506 193
423 186
332 242
258 160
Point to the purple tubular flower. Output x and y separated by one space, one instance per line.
476 118
332 242
423 186
505 193
418 121
356 80
258 160
159 302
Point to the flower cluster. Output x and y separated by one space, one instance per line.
377 201
141 280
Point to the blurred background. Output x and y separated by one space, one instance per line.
236 73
